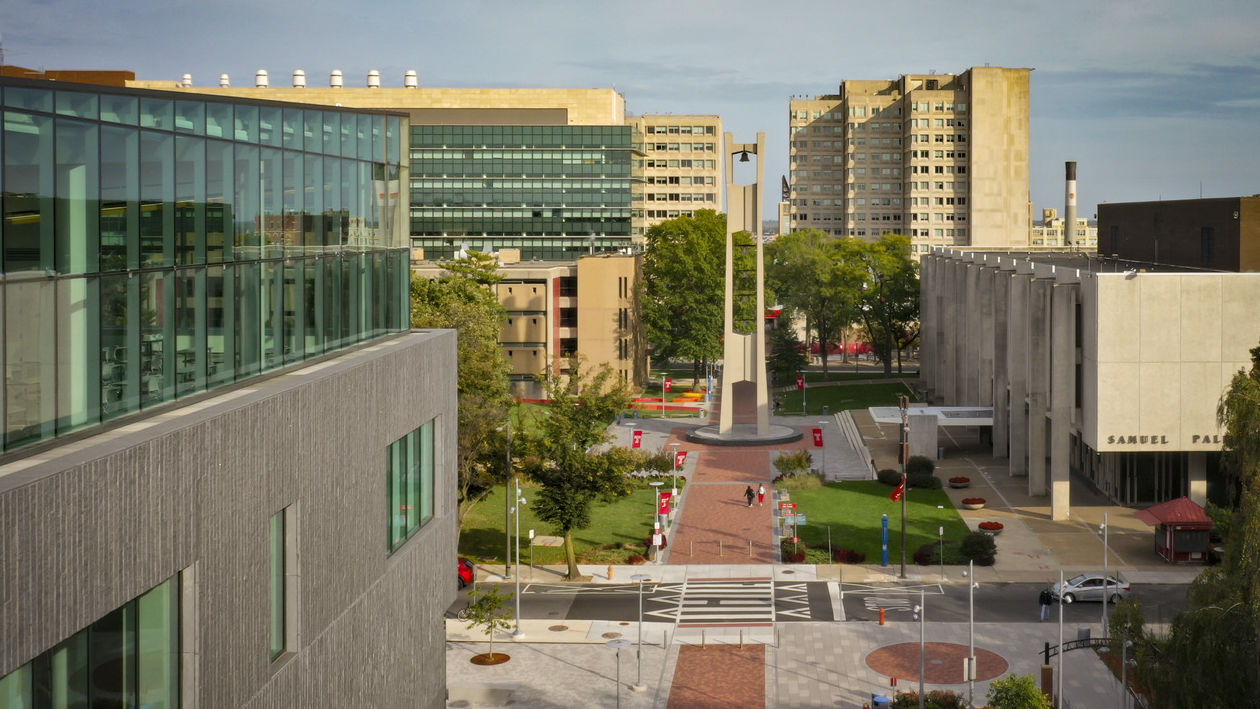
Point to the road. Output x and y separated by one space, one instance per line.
759 601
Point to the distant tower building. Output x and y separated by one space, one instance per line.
941 158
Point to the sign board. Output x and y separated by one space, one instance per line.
680 458
787 505
800 520
818 439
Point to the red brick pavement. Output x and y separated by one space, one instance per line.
723 676
943 662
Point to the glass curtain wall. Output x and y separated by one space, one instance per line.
155 248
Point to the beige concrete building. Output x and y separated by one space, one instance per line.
682 165
1050 232
1106 369
559 308
942 158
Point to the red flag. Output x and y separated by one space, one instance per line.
669 384
800 382
818 439
680 458
901 490
637 439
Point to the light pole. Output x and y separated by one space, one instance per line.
617 644
656 503
1106 586
971 632
674 450
919 609
1124 665
904 404
520 500
507 497
1058 675
638 683
822 426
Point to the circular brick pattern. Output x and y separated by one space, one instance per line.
611 636
944 662
558 628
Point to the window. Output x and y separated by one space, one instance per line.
409 484
282 580
130 657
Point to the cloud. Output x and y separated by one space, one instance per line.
1209 91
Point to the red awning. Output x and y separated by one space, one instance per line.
1181 512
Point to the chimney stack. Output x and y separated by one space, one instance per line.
1069 208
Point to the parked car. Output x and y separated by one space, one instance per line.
466 570
1092 587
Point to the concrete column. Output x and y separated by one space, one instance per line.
1038 380
984 394
929 323
1017 371
948 336
1196 471
1062 396
970 359
923 435
958 331
1001 405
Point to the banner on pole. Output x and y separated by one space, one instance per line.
818 439
680 458
800 382
897 493
636 439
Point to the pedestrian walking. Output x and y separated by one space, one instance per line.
1045 599
761 495
749 494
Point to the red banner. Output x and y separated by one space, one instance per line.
818 441
669 384
899 492
680 458
787 505
636 439
664 508
800 381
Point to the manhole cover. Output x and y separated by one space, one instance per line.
624 622
610 636
558 628
788 571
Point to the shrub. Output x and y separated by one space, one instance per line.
923 482
847 556
804 481
1221 519
920 465
635 560
793 462
980 548
888 476
791 556
930 554
935 699
1126 623
991 526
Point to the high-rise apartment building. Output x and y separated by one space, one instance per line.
941 158
682 165
227 476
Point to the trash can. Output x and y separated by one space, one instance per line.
1082 632
880 702
826 409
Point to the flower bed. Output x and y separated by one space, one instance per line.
973 503
991 527
959 482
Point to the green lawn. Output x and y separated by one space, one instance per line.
626 520
853 510
843 397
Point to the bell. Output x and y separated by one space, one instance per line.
743 156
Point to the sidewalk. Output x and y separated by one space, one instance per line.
807 664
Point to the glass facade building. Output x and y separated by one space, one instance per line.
554 192
153 247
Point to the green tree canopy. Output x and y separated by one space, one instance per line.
890 298
684 269
566 453
820 277
1017 692
463 298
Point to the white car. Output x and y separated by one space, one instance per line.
1092 586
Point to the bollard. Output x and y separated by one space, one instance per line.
881 616
741 638
610 572
719 547
691 548
702 638
749 548
892 681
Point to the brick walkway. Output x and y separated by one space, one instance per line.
943 662
719 676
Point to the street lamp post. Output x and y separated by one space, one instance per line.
520 500
1124 663
822 427
971 632
507 498
940 534
674 449
1058 675
1106 586
638 683
656 503
617 644
904 453
920 610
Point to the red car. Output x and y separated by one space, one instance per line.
466 570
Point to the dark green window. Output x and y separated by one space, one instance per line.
409 484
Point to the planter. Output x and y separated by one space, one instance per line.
959 485
992 528
972 505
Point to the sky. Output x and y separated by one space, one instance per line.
1154 99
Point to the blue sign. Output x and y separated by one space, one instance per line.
883 548
800 519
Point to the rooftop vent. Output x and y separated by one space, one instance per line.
334 79
410 79
224 81
299 79
260 79
374 79
186 81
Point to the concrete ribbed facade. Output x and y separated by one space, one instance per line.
93 523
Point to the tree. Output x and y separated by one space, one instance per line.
566 455
787 354
817 275
488 612
1016 692
463 298
684 271
890 298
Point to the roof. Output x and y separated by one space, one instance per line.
1181 511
